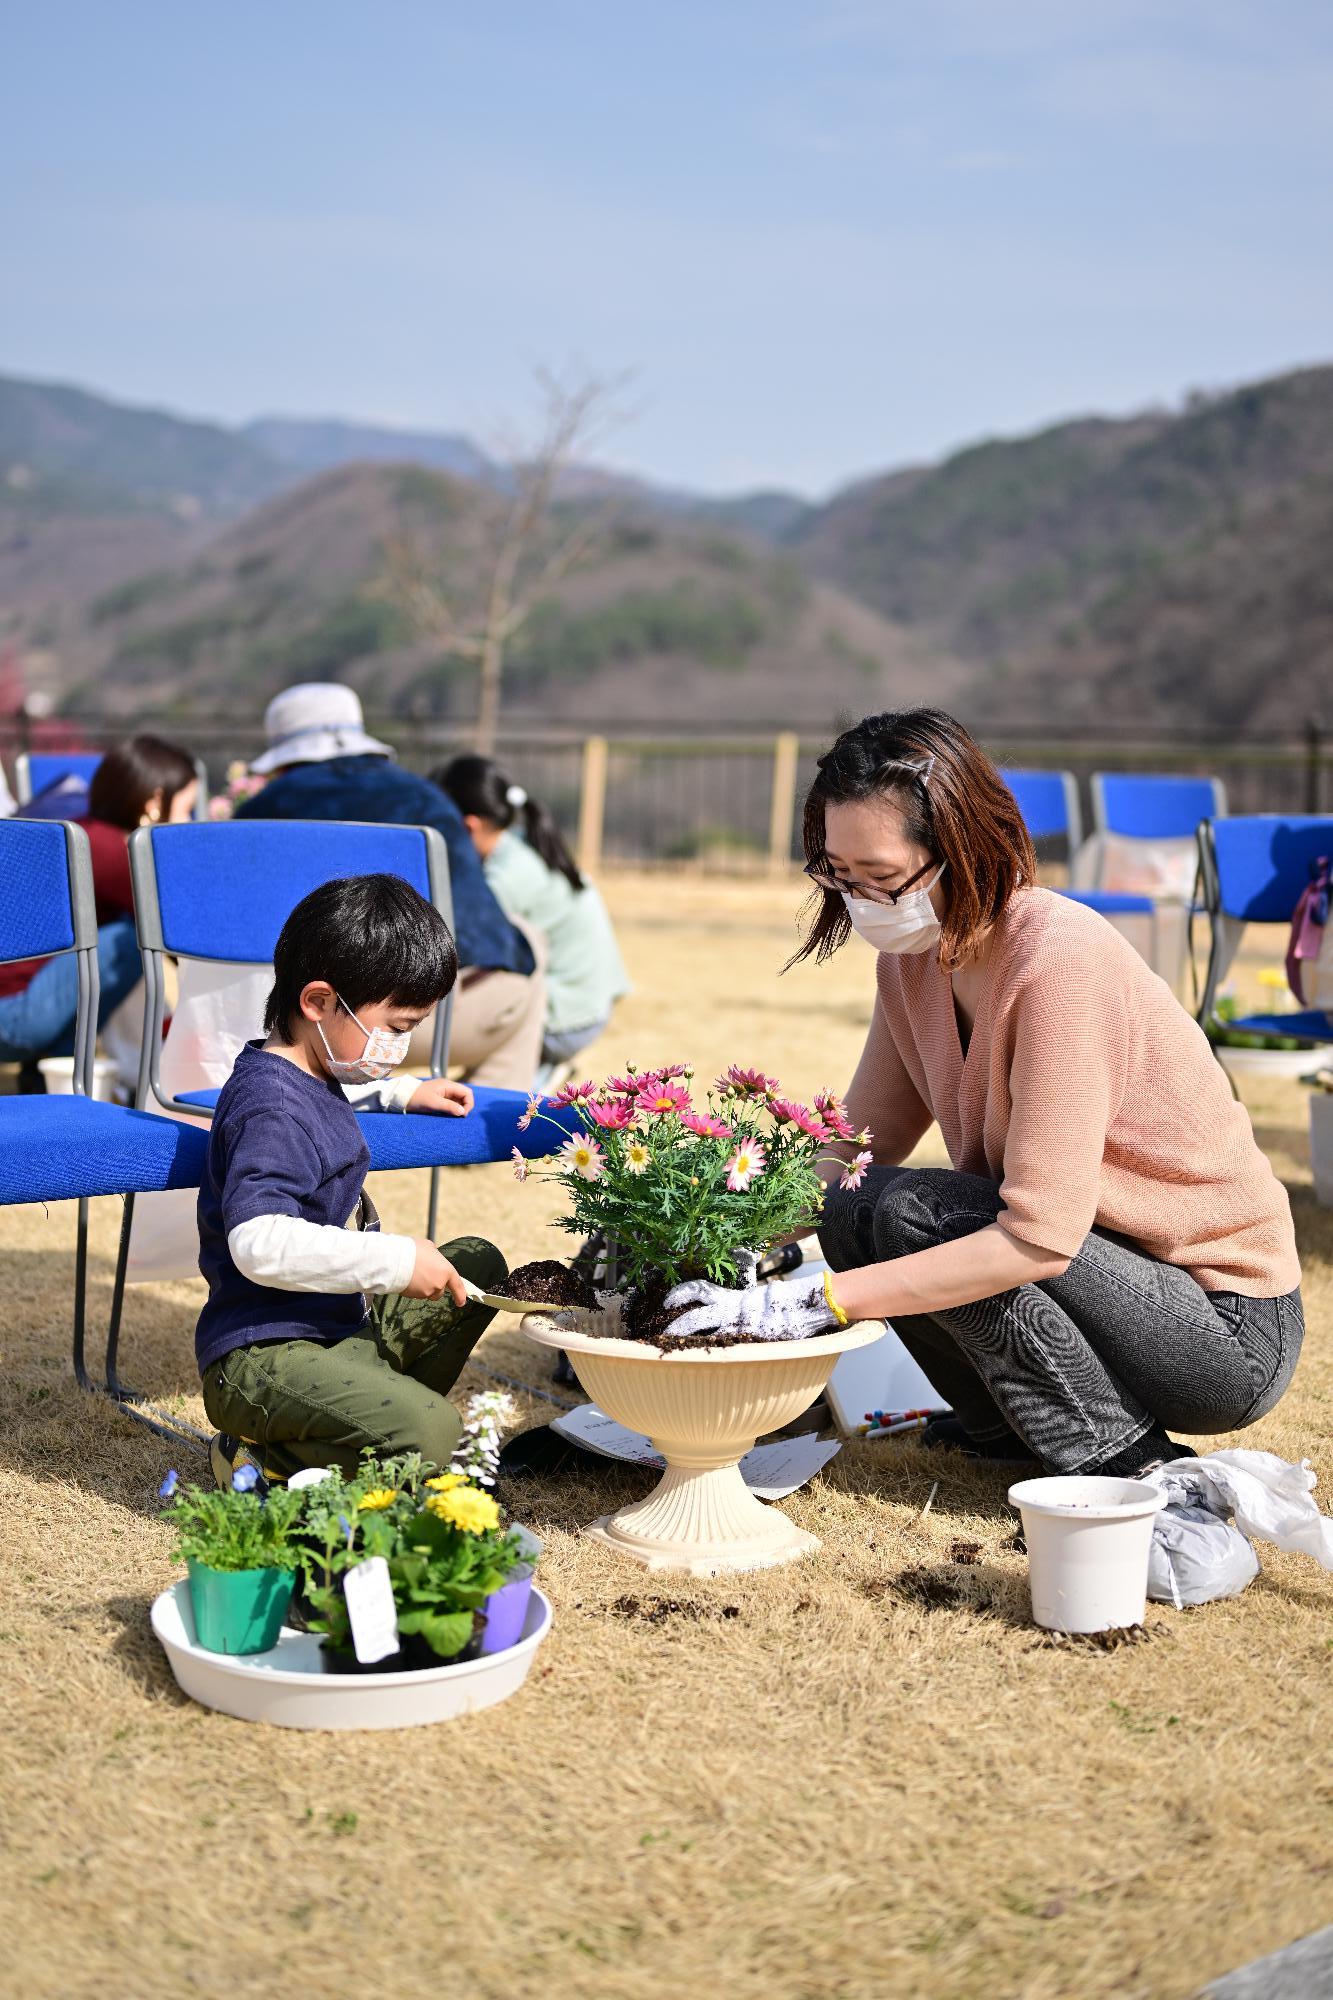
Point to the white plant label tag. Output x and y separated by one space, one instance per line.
370 1607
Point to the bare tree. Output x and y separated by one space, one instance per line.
524 547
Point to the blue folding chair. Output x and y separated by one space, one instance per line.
1048 801
34 770
223 892
70 1148
1154 806
1253 868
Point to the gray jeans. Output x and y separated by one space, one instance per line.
1081 1365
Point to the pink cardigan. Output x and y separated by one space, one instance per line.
1088 1095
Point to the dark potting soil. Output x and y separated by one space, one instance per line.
413 1656
647 1319
549 1283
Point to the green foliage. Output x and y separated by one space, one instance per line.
718 628
234 1531
695 841
1222 1036
431 493
127 597
352 629
676 1196
441 1572
179 644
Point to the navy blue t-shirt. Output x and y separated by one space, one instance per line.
282 1143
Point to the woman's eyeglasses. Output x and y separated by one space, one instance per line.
870 892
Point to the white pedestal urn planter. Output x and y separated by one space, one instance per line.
703 1410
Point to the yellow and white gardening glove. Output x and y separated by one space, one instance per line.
781 1309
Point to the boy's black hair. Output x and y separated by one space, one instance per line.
372 937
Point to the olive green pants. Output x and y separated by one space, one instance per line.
384 1389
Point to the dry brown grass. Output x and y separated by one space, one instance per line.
865 1775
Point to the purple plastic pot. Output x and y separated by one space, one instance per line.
505 1611
507 1607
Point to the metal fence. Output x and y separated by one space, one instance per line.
730 803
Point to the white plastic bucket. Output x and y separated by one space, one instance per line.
58 1072
1088 1541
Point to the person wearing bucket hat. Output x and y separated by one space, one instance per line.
322 763
1110 1255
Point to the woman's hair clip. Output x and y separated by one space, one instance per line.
919 767
516 797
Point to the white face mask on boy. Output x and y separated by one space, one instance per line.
385 1051
907 926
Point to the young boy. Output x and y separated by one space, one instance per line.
292 1363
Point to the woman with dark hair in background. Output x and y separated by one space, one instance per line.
537 882
1110 1253
141 782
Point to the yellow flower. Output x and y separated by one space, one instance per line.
467 1508
445 1482
637 1156
378 1496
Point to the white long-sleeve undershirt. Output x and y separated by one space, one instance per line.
290 1254
390 1095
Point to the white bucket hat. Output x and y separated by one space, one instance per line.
311 722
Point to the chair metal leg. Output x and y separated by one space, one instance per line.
155 1419
115 1388
432 1212
81 1296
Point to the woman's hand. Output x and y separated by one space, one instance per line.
441 1093
782 1309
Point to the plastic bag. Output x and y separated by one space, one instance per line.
1195 1556
1196 1553
219 1006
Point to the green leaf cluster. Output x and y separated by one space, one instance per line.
676 1217
440 1574
233 1531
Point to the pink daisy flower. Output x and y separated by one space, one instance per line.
583 1156
805 1121
522 1167
856 1172
832 1110
613 1116
530 1110
659 1100
621 1086
575 1093
740 1082
746 1164
705 1126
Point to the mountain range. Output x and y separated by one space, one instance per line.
1165 570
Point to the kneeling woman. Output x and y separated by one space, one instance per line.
1110 1256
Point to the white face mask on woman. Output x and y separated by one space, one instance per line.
384 1052
909 925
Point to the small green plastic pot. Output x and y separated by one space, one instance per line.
239 1610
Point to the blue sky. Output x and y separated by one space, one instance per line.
827 239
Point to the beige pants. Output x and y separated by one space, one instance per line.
496 1037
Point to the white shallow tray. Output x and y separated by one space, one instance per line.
289 1687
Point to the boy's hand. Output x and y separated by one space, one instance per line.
441 1093
433 1276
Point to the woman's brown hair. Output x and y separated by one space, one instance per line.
956 806
133 772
